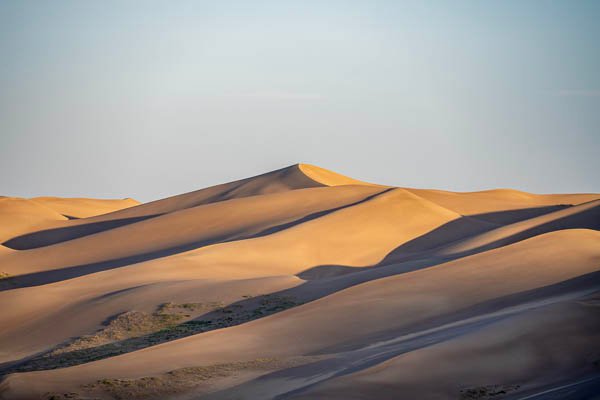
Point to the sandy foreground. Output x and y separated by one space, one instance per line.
302 283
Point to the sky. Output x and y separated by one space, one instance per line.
148 99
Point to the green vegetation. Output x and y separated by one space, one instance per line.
487 392
184 379
125 326
174 308
62 396
135 330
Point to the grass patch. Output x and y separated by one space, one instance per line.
183 308
62 396
184 379
125 326
487 392
136 330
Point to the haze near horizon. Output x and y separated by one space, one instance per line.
122 99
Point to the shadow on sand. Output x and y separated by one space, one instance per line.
45 277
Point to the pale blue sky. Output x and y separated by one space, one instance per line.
153 98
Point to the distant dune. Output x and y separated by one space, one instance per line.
302 283
21 216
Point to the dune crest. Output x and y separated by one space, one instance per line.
329 178
19 215
84 207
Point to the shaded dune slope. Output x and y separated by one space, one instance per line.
458 238
488 202
369 313
470 362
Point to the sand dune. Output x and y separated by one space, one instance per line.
365 314
237 259
301 283
493 201
329 178
586 215
187 229
84 208
453 240
555 337
20 216
282 180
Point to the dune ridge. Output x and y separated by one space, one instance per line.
21 216
281 180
